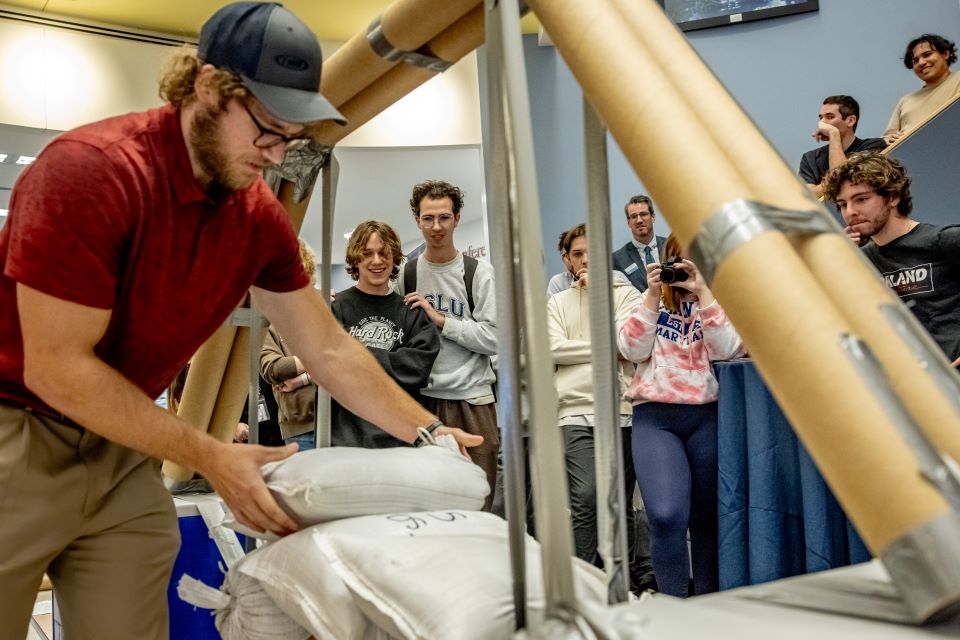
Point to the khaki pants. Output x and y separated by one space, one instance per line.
93 515
477 419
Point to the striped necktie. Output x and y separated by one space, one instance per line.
648 255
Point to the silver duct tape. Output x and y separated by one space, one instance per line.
930 463
740 221
385 49
925 567
301 167
926 351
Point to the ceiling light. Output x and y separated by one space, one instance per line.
348 233
25 159
3 213
3 157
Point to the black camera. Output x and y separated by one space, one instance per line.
670 273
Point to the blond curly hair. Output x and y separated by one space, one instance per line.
180 73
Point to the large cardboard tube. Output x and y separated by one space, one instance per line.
462 37
763 284
755 160
407 25
793 331
233 390
855 287
201 389
851 283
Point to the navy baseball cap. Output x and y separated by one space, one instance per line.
276 56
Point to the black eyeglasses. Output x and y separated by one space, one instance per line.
270 138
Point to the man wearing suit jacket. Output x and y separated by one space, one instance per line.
631 259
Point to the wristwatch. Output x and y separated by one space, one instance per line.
425 434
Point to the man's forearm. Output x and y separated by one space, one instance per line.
835 153
95 395
357 381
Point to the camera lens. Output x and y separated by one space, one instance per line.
671 274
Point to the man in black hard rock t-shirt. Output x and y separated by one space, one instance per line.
920 262
402 339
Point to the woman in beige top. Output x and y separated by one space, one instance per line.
930 57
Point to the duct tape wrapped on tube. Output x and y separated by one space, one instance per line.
407 25
462 37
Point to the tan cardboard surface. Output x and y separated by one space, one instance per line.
663 138
755 160
233 390
792 330
407 25
201 389
461 38
859 292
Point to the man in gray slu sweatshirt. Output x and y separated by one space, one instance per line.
460 389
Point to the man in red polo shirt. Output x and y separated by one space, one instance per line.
128 243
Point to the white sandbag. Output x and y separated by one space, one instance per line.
447 587
299 579
242 609
344 482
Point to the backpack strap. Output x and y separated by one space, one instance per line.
469 270
410 276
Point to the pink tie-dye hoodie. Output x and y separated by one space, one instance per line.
673 352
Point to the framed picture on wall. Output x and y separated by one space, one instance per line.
701 14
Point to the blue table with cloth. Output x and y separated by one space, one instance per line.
777 517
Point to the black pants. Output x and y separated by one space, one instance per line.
581 480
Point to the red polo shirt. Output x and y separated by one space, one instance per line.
110 216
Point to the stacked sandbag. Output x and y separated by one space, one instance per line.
438 574
327 486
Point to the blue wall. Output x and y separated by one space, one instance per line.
778 69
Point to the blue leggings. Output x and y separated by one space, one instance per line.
675 459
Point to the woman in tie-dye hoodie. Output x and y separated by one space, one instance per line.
673 338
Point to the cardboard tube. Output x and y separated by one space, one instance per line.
855 287
407 25
233 390
755 160
791 327
850 282
201 389
793 332
462 37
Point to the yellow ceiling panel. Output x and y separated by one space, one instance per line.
336 20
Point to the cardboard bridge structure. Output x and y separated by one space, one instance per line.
870 395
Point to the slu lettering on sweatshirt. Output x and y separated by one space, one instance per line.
447 305
678 329
911 280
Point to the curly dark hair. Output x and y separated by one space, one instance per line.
939 43
884 174
358 243
436 190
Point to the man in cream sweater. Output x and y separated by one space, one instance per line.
568 325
